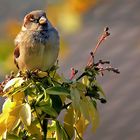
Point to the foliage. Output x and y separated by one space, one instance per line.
35 99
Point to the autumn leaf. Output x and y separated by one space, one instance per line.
25 114
69 122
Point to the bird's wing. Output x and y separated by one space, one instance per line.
17 48
16 55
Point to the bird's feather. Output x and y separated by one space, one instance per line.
16 55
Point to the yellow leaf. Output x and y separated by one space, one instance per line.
25 114
81 125
85 81
3 119
15 82
9 117
34 129
18 97
90 113
84 108
4 135
94 115
81 87
69 121
13 119
8 106
12 122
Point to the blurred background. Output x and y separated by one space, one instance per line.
80 23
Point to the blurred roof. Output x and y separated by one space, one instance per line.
16 8
120 116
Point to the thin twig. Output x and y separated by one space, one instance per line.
82 75
73 73
101 39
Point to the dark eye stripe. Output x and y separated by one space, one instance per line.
34 20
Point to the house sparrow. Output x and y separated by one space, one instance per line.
37 44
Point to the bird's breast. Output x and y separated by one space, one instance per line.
39 49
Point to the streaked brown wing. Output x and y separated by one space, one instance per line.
16 55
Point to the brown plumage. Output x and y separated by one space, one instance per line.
37 44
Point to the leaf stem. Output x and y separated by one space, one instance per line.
38 118
82 75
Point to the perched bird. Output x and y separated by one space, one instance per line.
37 44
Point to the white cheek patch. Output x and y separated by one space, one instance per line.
23 28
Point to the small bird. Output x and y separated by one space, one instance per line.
37 44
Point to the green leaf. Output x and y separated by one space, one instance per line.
100 89
44 100
65 135
39 98
75 97
44 103
57 91
56 103
48 110
12 137
60 132
81 87
94 103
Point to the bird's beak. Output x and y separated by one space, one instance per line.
42 20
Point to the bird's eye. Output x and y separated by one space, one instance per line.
32 19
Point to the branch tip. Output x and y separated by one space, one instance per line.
104 35
73 73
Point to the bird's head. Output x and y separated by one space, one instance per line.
35 20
